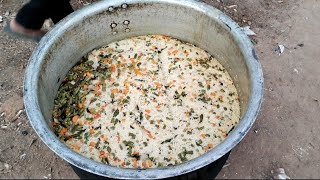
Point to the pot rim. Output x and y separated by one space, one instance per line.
37 120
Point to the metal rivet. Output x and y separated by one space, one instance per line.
113 25
126 22
124 6
127 30
114 32
110 8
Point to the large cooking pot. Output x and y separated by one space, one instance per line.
107 21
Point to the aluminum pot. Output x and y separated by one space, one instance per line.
107 21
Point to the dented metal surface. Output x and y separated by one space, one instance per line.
92 26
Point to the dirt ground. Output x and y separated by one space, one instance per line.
286 134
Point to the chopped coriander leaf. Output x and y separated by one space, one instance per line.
133 136
116 112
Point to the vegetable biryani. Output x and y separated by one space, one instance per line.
146 102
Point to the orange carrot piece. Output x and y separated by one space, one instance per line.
175 52
92 144
214 124
80 105
135 164
97 88
149 162
63 131
148 111
144 164
149 134
125 91
135 153
213 94
88 74
222 131
102 154
138 72
113 68
158 85
76 147
75 118
115 90
91 131
154 61
96 116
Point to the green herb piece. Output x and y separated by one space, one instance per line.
182 157
116 112
128 143
200 128
109 149
201 118
166 141
199 142
141 116
133 136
